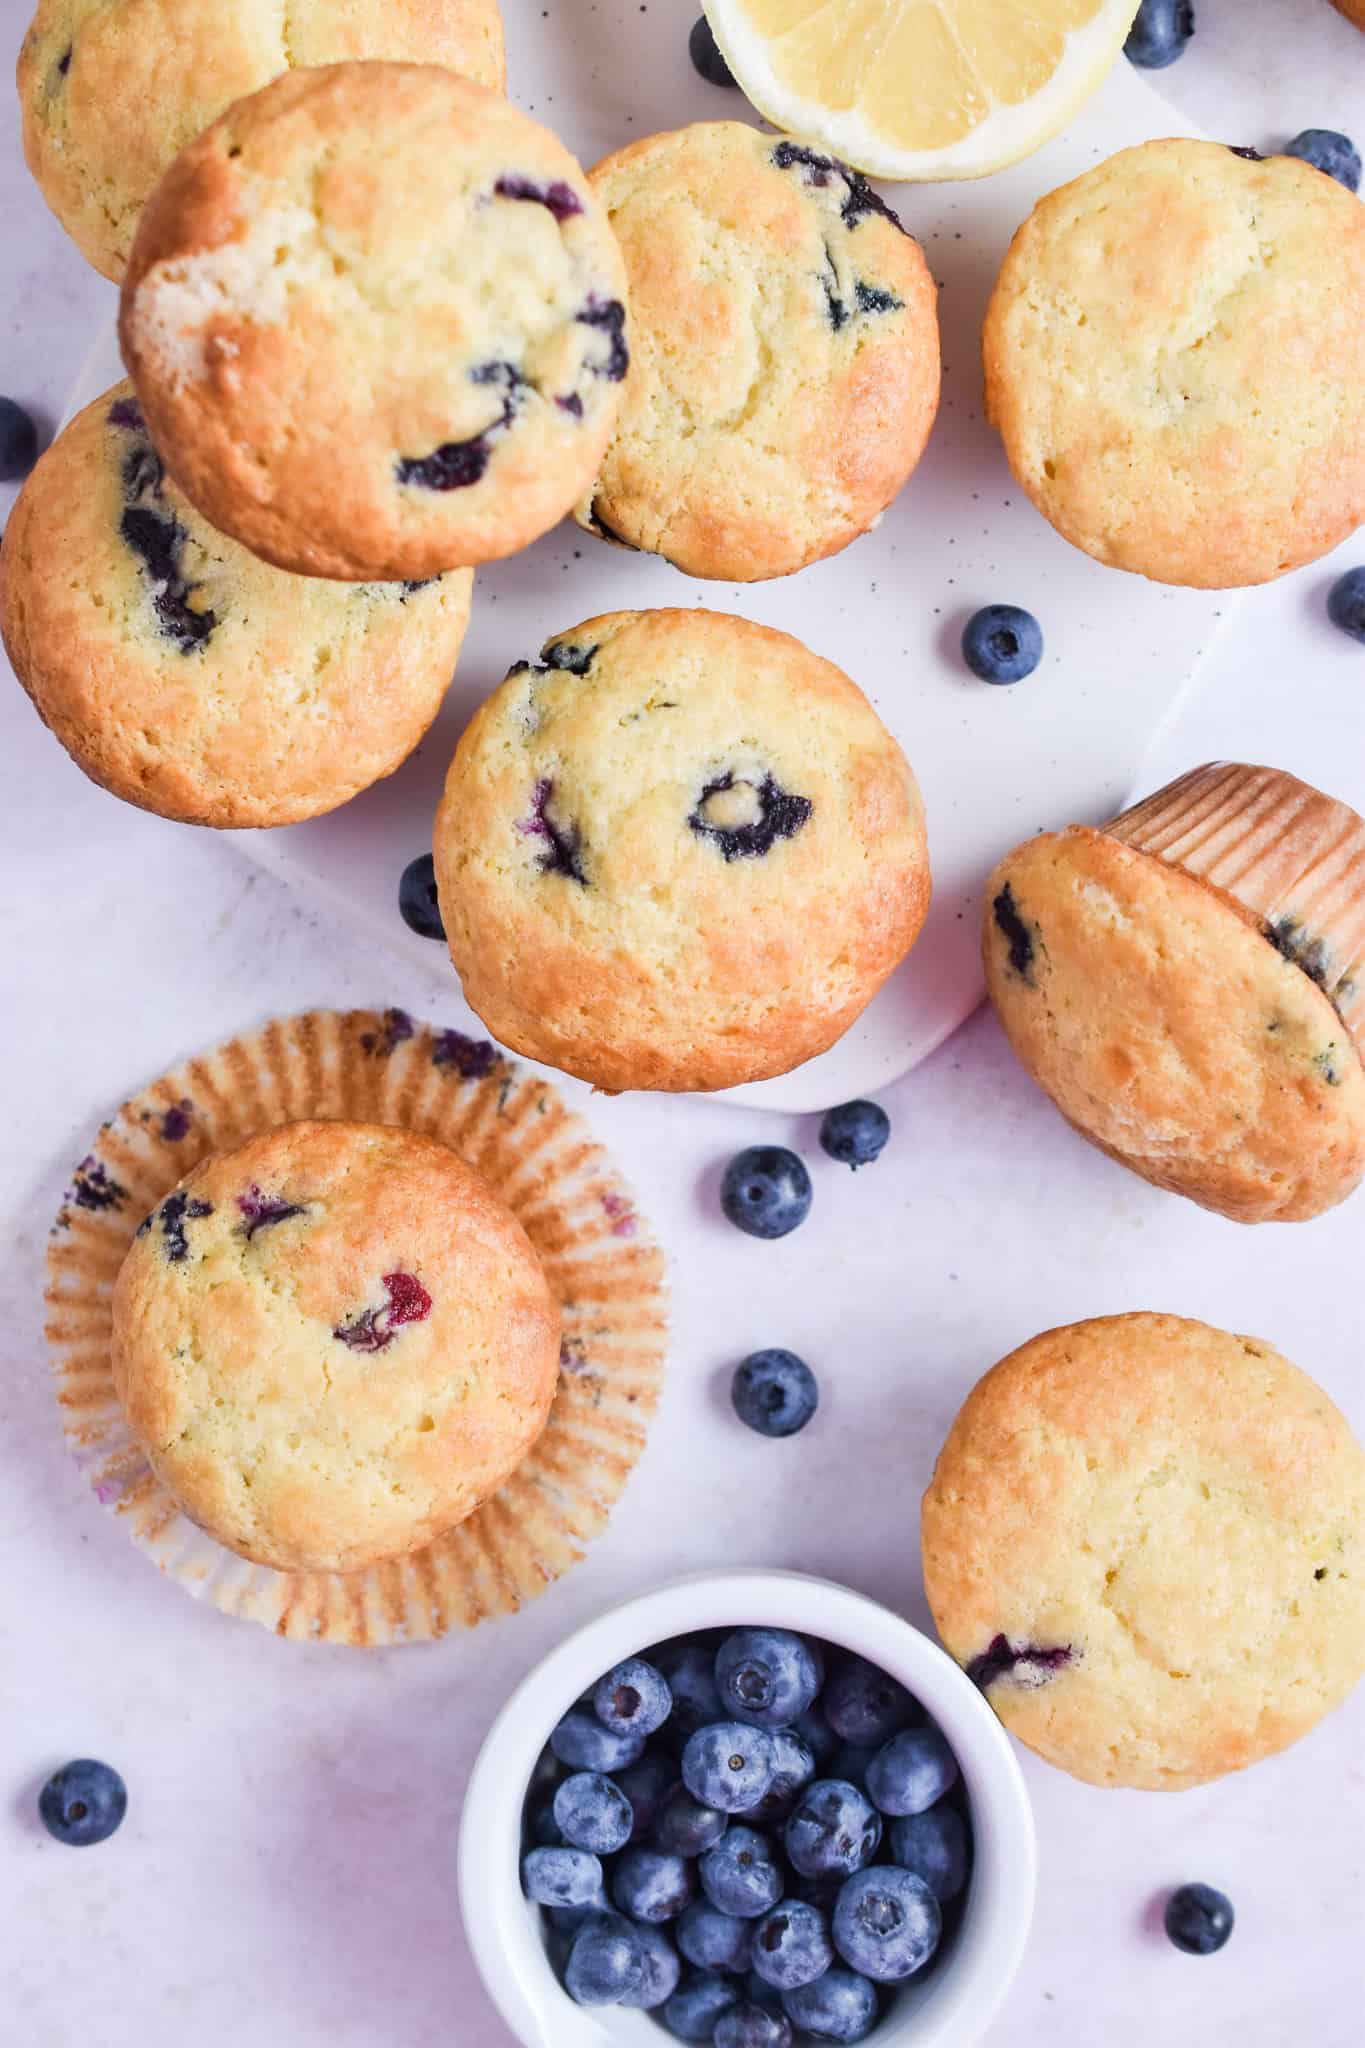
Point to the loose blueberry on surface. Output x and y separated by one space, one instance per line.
766 1191
774 1392
647 1784
752 2026
728 1765
792 1945
934 1845
83 1803
581 1741
593 1813
1002 643
650 1885
865 1706
840 2006
767 1676
855 1133
633 1699
741 1875
685 1827
1330 151
1160 34
1346 604
606 1963
18 442
560 1877
417 901
1198 1919
715 1940
912 1771
691 1674
661 1973
793 1770
834 1831
693 2010
886 1923
704 51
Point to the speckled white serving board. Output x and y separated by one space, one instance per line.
994 764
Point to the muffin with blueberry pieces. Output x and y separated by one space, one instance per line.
112 90
785 370
1188 985
1175 360
679 851
333 1342
376 322
1144 1540
189 677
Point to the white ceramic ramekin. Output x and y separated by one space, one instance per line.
956 2002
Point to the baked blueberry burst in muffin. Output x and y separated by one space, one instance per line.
677 851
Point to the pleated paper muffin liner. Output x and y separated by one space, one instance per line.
599 1255
1291 857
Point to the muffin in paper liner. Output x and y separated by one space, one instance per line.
599 1255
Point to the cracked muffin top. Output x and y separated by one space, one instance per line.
333 1342
112 90
679 851
1145 1540
1175 358
189 677
375 319
784 331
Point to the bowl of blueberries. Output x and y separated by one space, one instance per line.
751 1809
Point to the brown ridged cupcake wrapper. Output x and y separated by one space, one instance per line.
599 1255
1291 857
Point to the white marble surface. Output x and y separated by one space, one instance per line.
286 1871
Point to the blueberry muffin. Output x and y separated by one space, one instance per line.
333 1342
184 674
785 347
1175 358
111 90
374 316
679 851
1354 10
1145 1541
1188 985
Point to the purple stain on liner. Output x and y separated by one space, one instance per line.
94 1187
175 1122
397 1026
472 1058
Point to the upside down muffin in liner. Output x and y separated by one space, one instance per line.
602 1265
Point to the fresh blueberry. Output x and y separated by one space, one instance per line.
18 441
752 2026
766 1191
606 1963
705 54
886 1923
793 1769
693 2010
741 1875
685 1827
593 1813
1002 644
1328 150
417 904
728 1765
661 1973
1346 604
649 1885
560 1877
544 1828
647 1785
834 1830
759 1993
840 2006
792 1945
863 1705
714 1940
581 1742
1160 34
767 1676
1199 1919
567 1920
633 1699
934 1845
819 1738
691 1674
83 1803
850 1761
855 1133
774 1392
911 1771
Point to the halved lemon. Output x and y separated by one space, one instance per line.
921 88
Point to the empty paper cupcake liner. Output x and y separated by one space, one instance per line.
599 1255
